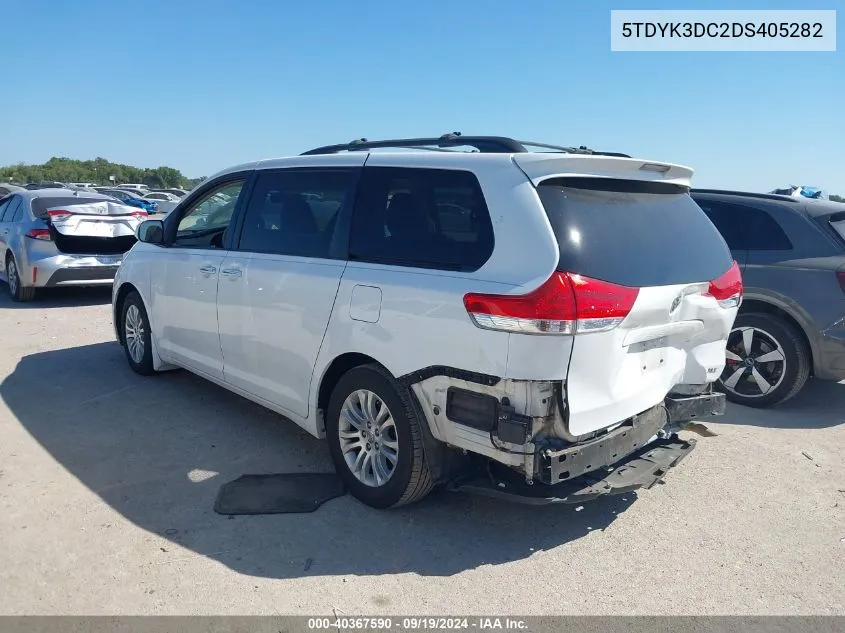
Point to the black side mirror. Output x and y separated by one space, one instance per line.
151 232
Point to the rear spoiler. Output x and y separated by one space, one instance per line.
539 167
104 208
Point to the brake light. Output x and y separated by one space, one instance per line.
841 277
139 214
565 304
39 234
727 289
59 214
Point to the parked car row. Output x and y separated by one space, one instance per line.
532 324
137 195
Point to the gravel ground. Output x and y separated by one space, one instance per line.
107 482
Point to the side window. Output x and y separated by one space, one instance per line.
724 217
4 204
18 214
427 218
204 221
12 210
294 212
761 231
839 227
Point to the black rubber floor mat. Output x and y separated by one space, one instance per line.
278 494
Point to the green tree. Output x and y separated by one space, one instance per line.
63 169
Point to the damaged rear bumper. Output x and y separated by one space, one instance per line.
641 469
635 455
553 467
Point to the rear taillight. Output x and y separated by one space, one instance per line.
565 304
841 277
727 289
39 234
140 214
59 214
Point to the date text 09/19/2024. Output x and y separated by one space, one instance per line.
422 623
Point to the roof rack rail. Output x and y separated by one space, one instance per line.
747 194
482 144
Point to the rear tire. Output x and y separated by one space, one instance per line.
375 439
17 290
785 367
135 335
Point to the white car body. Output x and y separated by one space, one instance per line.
271 327
159 196
166 201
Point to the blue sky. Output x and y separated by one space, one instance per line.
203 85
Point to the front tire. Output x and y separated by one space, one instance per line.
135 335
768 362
375 439
16 288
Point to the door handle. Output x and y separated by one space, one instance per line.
208 270
232 273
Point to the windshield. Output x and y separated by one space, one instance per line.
634 234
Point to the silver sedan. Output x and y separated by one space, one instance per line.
60 237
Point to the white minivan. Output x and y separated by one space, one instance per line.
532 323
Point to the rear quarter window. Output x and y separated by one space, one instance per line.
839 226
631 233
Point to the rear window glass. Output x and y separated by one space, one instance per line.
634 234
425 218
40 205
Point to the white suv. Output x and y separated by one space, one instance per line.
535 317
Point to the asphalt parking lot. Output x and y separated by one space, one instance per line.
107 482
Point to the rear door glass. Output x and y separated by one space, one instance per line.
420 217
631 233
725 218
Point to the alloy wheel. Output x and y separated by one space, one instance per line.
368 439
133 333
756 363
12 276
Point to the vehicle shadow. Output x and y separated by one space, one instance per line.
820 404
66 297
157 449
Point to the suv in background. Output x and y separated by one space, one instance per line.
499 319
792 321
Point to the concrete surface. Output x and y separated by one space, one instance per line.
107 482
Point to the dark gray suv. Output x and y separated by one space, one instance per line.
792 321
